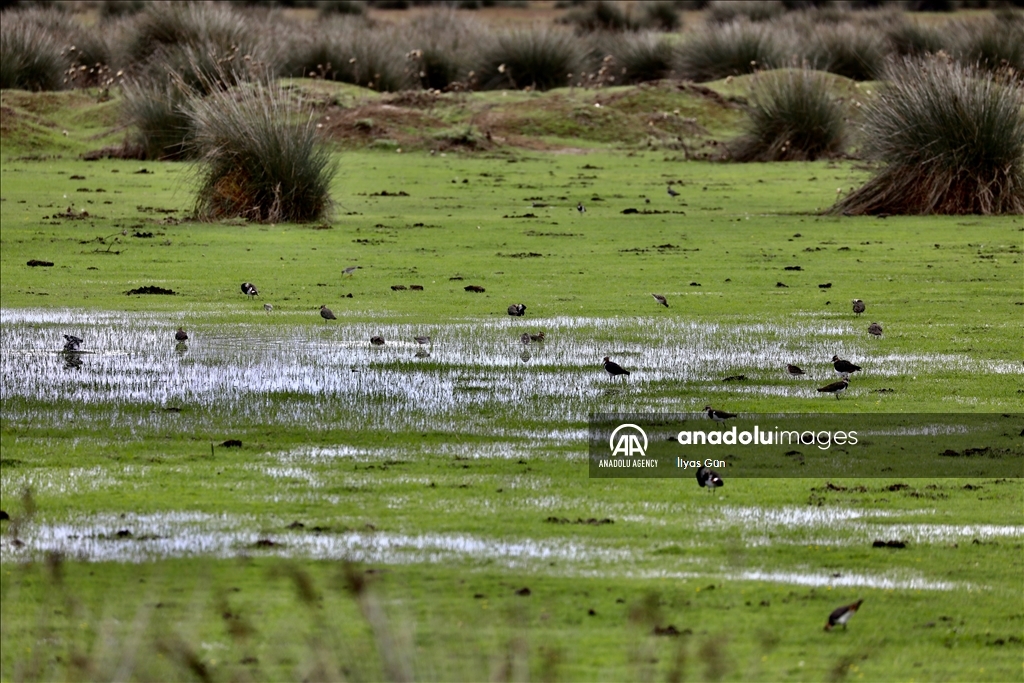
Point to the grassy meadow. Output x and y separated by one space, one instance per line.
423 511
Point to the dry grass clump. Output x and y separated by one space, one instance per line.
30 58
441 48
793 117
260 159
740 47
539 58
638 57
951 138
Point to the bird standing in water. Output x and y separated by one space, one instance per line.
613 368
327 314
181 335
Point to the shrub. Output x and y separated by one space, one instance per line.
328 7
347 50
260 160
951 138
189 23
442 44
910 38
727 11
991 43
30 58
793 117
639 57
540 58
120 8
156 111
730 50
849 50
602 15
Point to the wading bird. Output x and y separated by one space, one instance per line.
718 415
582 209
327 314
539 337
268 308
517 310
836 387
794 370
660 299
844 367
71 342
377 340
612 368
875 329
858 306
708 478
672 192
422 339
841 615
351 269
525 338
180 335
249 289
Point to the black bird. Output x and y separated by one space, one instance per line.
517 310
841 615
539 337
422 339
875 329
525 338
708 478
718 415
794 370
836 387
180 335
672 192
858 306
579 207
377 340
844 367
327 314
614 368
71 342
249 289
660 299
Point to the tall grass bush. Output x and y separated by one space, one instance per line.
156 111
541 58
441 48
992 43
951 140
733 49
727 11
349 51
30 57
260 158
793 117
639 57
850 50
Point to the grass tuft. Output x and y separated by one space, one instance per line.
441 43
640 57
727 11
951 138
738 48
850 50
259 162
992 43
30 58
156 112
793 117
537 58
602 15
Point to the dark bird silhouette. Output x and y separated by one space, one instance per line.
614 368
249 289
660 299
327 314
517 310
672 192
71 342
423 339
875 329
858 306
377 340
525 338
539 337
841 615
836 387
351 269
180 335
708 478
844 367
718 415
794 370
582 209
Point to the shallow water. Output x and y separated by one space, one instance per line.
132 373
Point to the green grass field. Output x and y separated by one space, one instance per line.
386 509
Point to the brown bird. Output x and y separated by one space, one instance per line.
841 615
539 337
875 329
180 335
525 338
517 310
858 306
794 370
422 339
836 387
377 340
660 299
614 368
327 314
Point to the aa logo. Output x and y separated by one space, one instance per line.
632 441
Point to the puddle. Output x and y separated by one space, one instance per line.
132 372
